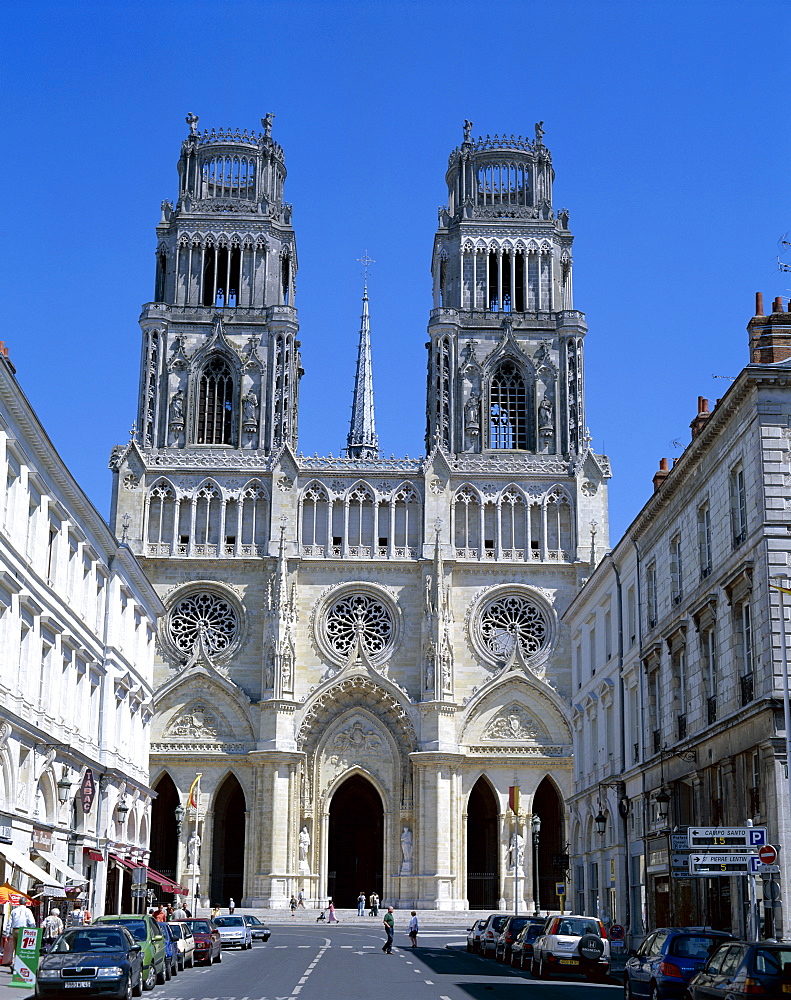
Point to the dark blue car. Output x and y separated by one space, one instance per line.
665 962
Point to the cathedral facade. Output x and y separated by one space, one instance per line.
362 655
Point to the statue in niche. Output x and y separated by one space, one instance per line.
429 673
250 407
472 414
193 848
304 844
445 675
545 413
177 407
286 670
269 670
406 846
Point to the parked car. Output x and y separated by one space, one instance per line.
234 932
257 929
739 968
474 934
522 945
667 960
171 952
149 934
103 961
491 932
505 939
185 943
572 943
208 946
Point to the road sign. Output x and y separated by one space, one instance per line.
560 888
679 842
617 932
767 854
721 863
757 867
726 836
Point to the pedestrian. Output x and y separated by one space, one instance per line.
293 904
231 905
332 919
215 912
21 916
389 925
301 899
374 901
179 913
159 914
51 926
77 918
361 905
413 929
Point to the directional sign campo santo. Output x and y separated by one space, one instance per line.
726 836
709 858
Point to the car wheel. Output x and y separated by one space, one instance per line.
174 968
162 974
151 978
469 946
167 968
654 992
543 971
129 986
137 988
627 988
219 955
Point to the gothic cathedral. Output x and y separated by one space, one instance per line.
362 655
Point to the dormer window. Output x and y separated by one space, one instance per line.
507 408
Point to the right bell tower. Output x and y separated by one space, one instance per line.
505 371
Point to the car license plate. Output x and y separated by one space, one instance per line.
568 961
82 984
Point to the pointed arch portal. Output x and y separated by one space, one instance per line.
355 849
164 835
482 847
552 849
227 855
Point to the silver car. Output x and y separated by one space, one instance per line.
234 932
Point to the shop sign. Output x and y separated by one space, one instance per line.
42 839
5 831
87 790
26 957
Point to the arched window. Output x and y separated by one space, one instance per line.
315 517
255 524
161 512
466 523
508 408
511 510
406 522
215 403
208 503
361 521
559 535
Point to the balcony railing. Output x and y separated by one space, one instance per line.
165 549
359 552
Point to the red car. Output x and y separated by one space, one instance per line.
208 946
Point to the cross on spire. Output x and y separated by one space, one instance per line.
366 262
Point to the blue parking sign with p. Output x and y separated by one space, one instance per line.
757 837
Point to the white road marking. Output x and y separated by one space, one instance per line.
428 982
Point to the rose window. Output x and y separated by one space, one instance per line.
204 615
359 617
512 619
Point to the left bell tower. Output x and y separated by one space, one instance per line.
220 359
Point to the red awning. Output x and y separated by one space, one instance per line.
93 855
167 884
124 862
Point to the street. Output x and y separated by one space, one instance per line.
308 962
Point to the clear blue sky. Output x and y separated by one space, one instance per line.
668 124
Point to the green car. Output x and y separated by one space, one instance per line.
147 932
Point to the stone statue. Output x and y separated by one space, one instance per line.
467 129
429 673
250 407
406 845
304 844
539 133
193 848
266 121
177 407
192 120
516 852
545 413
472 411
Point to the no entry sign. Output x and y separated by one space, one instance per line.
767 854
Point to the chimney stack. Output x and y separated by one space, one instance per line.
662 474
770 336
701 418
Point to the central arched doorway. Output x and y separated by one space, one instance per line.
227 856
552 847
482 847
355 851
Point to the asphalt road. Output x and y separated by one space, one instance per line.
310 962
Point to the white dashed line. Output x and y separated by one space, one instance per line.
428 982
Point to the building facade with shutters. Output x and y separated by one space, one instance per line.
78 623
361 655
678 705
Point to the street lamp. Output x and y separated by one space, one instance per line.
601 822
662 800
535 825
122 808
179 813
64 787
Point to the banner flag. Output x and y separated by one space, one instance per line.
513 799
194 795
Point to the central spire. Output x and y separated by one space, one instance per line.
362 441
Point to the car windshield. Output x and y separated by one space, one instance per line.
229 922
697 946
498 923
175 930
199 926
771 961
252 920
576 928
83 939
137 928
533 931
517 923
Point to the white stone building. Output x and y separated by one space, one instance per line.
361 655
677 668
77 629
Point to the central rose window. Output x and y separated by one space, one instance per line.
205 615
512 619
362 618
